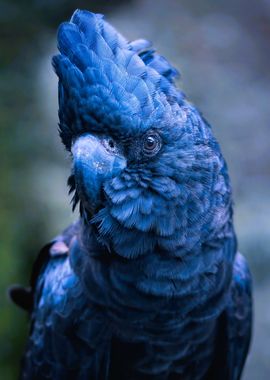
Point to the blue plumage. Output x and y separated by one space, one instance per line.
148 284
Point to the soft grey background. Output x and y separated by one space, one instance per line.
222 51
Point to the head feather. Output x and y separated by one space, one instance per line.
106 82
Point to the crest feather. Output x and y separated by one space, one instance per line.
98 69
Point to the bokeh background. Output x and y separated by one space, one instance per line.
222 50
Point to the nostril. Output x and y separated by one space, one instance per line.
111 144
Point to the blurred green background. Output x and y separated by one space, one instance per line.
222 50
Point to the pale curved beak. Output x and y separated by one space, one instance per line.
93 164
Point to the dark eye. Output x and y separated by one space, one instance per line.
151 144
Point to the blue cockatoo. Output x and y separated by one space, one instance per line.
148 284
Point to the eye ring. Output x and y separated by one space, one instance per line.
151 144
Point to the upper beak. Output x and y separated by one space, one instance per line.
93 164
